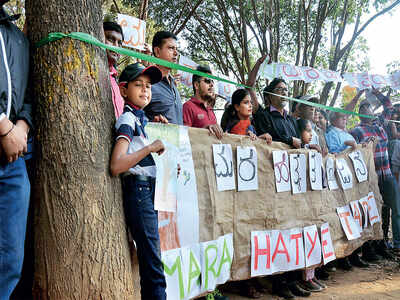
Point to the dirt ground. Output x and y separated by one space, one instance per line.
379 281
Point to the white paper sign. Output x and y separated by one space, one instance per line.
298 174
186 78
281 171
280 255
247 168
223 165
312 246
187 206
365 80
345 176
328 251
165 198
348 224
296 249
315 167
330 174
225 247
292 72
360 168
365 208
261 253
216 261
173 274
192 270
373 212
357 215
134 31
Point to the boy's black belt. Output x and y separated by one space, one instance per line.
139 177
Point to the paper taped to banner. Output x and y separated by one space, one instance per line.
134 31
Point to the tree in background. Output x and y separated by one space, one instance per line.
81 246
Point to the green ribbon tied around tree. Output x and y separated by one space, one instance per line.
87 38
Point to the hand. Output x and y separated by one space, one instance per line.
160 119
267 137
157 147
15 143
371 139
215 130
360 92
316 147
296 142
252 136
177 77
375 91
324 152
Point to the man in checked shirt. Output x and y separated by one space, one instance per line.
374 129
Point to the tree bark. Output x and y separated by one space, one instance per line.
81 245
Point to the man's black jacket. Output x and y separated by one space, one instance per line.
14 61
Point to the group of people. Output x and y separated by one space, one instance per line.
151 94
143 93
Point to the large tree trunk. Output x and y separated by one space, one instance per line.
81 243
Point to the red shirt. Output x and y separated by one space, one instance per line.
241 127
117 99
196 114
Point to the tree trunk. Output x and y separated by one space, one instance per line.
81 245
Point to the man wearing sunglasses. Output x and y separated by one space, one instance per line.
198 111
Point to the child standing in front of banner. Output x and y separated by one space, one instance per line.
132 158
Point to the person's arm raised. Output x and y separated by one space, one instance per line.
251 81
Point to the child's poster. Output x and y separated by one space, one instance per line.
165 198
298 173
360 168
134 31
315 167
281 171
330 174
345 176
223 165
247 168
187 207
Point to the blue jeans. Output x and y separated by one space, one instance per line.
14 203
142 221
391 198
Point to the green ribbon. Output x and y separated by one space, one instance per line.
84 37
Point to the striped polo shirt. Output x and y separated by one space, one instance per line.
130 126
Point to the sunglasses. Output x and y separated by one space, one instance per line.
208 81
281 89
